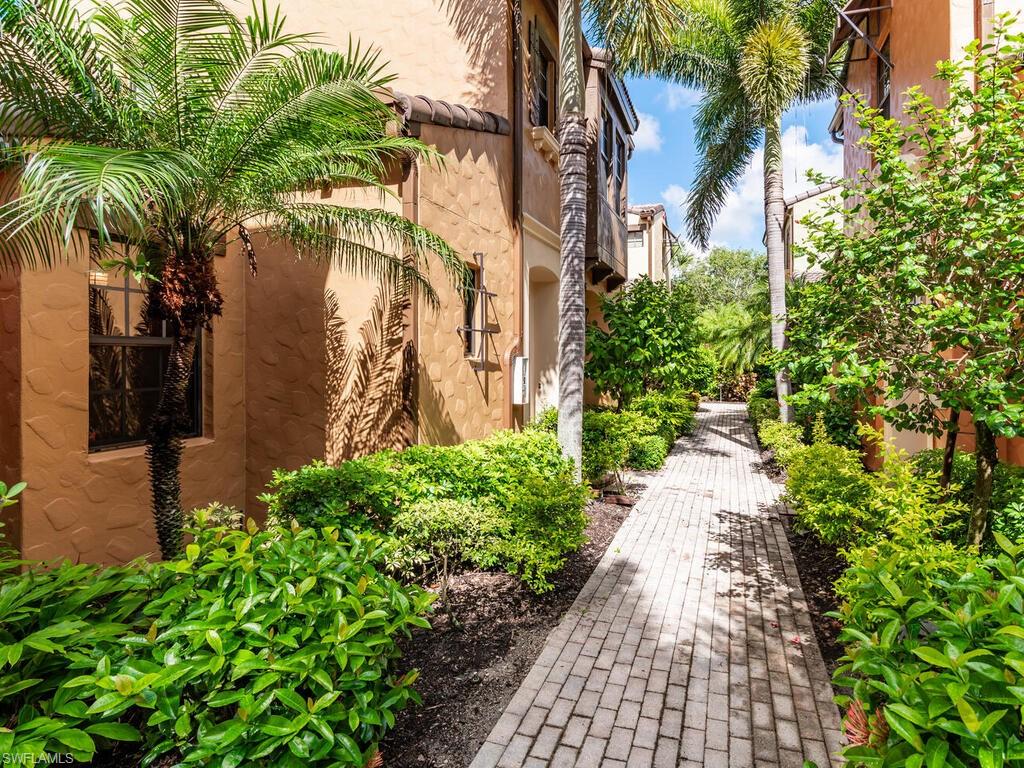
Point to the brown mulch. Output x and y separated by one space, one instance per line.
472 663
819 565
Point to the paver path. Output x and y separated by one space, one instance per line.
691 643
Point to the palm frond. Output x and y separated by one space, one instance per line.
774 65
722 162
640 32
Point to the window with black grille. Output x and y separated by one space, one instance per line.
128 352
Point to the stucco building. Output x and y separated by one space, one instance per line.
650 242
888 47
307 361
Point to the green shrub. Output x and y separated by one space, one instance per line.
1007 493
782 439
760 410
263 648
521 474
674 412
764 388
830 491
935 658
605 445
647 452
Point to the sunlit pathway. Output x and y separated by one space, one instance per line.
691 643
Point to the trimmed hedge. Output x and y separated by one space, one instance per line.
521 475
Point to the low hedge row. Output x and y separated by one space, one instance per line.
507 501
934 660
268 647
637 437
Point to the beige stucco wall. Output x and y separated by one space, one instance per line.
444 49
96 507
10 398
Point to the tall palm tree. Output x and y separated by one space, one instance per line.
753 59
639 31
175 125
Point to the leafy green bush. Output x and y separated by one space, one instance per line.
650 341
262 648
521 474
647 452
782 439
760 410
1007 494
606 444
935 658
830 491
764 388
673 411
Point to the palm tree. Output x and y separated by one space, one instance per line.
638 30
753 59
174 125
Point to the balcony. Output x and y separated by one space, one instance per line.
606 243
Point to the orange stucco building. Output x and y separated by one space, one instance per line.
307 361
889 47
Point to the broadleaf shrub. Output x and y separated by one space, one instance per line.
830 491
647 452
521 474
762 409
784 440
268 647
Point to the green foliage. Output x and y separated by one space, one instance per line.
521 475
674 412
273 647
8 496
762 409
921 258
784 440
647 452
726 277
936 652
831 492
652 343
1007 492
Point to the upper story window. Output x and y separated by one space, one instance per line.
608 145
620 175
635 238
544 91
471 313
128 352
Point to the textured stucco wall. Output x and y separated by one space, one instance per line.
10 398
444 49
96 507
468 202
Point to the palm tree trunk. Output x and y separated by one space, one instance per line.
164 447
572 171
986 456
774 215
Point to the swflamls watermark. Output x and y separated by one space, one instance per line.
31 758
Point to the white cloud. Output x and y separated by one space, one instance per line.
678 97
648 135
741 220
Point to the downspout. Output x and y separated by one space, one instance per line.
518 246
409 192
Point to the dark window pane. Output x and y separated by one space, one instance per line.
139 409
106 368
105 420
145 367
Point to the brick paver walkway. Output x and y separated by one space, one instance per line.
691 643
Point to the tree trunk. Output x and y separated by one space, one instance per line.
986 457
164 447
952 433
572 171
774 216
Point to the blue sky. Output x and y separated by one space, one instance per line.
661 169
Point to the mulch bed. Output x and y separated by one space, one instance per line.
819 565
474 659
